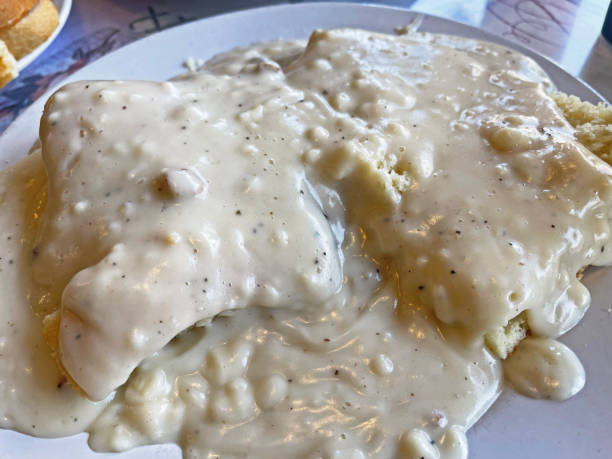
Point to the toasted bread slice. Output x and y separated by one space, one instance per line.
32 29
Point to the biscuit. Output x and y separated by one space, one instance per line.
11 11
8 65
593 123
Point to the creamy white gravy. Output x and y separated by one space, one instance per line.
343 222
544 368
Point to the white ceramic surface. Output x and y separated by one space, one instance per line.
515 426
63 7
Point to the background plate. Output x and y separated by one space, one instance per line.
515 426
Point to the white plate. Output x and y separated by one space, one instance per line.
63 7
515 426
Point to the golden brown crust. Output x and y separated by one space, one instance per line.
31 30
8 65
11 11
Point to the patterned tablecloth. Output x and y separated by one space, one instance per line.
568 31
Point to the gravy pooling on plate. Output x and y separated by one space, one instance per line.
297 250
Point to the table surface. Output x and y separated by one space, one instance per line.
567 31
